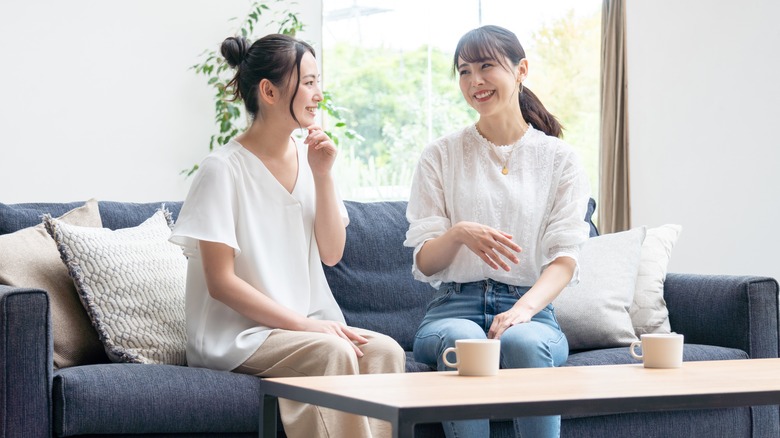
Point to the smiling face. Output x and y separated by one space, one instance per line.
309 94
490 86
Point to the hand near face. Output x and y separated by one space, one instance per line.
491 245
322 150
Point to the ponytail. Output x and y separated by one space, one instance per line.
537 115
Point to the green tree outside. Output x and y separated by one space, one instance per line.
390 100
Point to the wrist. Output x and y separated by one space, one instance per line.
298 323
324 177
456 233
527 306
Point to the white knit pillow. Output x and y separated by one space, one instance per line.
131 282
648 312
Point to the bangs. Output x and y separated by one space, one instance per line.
488 43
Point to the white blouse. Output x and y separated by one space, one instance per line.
234 199
541 201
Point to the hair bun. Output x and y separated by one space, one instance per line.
234 50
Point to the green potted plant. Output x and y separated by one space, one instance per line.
229 113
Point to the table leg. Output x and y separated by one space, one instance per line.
403 429
268 406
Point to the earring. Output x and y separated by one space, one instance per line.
521 88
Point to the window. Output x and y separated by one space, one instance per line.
389 65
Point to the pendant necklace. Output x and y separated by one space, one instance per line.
494 148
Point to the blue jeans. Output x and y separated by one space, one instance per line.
466 311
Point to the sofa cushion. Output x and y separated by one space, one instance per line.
114 214
648 311
29 258
620 355
389 300
14 217
131 282
595 312
136 398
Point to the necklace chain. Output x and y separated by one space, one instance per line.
494 148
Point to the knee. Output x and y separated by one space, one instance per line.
527 349
435 337
386 353
336 355
453 329
385 349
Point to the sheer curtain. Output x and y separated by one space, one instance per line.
614 212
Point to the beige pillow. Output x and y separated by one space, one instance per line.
29 258
594 313
131 282
648 312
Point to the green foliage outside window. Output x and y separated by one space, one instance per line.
387 93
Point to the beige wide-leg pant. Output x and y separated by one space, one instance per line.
291 354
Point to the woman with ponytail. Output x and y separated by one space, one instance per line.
496 222
261 217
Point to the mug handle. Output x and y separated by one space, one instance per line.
444 357
633 353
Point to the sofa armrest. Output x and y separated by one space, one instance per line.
26 361
725 310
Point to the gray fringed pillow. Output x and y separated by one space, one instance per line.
131 282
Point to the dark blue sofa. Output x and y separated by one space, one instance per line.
722 317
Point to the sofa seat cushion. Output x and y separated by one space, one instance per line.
620 355
412 366
137 398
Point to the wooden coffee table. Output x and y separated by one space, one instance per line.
408 399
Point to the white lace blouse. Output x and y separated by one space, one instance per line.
541 201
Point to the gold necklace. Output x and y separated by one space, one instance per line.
505 167
494 148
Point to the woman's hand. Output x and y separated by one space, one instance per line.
322 150
491 245
518 314
337 329
549 285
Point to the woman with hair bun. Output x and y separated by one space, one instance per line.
261 217
496 222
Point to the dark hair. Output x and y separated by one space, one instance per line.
272 57
497 43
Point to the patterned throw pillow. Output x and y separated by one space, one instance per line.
131 282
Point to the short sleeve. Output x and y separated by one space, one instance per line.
426 210
566 229
210 210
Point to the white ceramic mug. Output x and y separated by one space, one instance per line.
475 357
659 350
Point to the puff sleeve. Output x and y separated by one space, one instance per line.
426 211
566 230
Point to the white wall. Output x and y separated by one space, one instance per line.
704 105
97 98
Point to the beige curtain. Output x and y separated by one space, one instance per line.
614 211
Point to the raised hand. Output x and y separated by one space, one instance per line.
322 150
491 245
